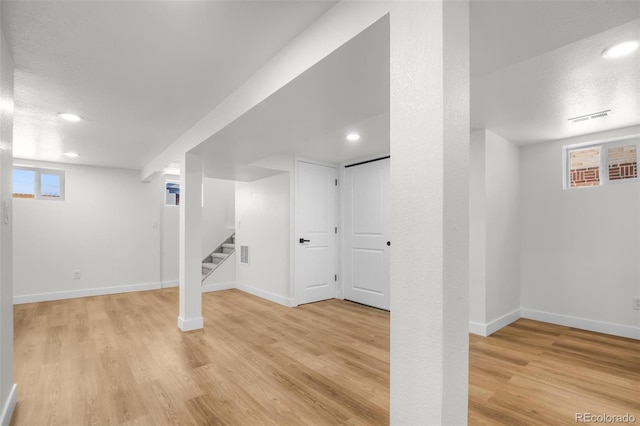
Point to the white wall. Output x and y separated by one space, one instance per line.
263 223
107 227
224 276
503 226
477 230
8 393
170 234
218 217
218 214
580 247
494 243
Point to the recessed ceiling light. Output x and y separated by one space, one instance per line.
353 137
72 154
621 49
69 117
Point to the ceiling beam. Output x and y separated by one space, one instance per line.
339 25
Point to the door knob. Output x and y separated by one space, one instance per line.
302 241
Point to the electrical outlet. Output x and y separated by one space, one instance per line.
76 274
636 303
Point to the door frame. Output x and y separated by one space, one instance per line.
294 226
342 218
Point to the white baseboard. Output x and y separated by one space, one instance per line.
582 323
495 325
9 406
478 328
190 324
101 291
173 283
218 286
72 294
285 301
503 321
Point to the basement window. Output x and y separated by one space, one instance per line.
37 183
172 193
603 163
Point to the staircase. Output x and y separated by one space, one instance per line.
219 255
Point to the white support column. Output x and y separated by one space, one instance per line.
190 317
457 122
429 187
8 389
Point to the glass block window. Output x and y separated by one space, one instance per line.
597 164
584 167
623 162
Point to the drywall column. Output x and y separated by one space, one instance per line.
8 393
477 235
190 317
429 189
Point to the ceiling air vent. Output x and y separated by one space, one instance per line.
244 255
591 116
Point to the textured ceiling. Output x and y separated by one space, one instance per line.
532 100
348 91
140 72
534 64
504 33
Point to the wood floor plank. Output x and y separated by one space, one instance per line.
120 360
561 371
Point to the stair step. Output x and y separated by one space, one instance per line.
211 262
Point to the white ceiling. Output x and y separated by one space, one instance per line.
142 73
535 64
504 33
348 91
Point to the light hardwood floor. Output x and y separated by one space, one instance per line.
534 373
120 359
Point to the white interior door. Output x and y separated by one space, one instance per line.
316 248
366 234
